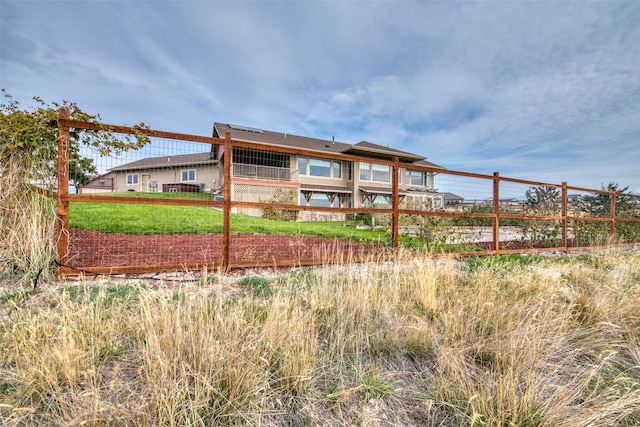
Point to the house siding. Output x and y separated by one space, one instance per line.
205 174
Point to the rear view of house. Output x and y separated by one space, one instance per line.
288 168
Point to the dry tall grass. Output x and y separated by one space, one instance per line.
27 221
502 341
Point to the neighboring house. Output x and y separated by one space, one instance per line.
451 199
99 184
185 172
506 203
262 175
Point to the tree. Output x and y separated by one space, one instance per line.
28 142
28 171
599 204
542 200
79 171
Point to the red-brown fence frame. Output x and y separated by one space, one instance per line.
64 198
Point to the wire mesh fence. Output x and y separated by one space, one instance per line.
193 202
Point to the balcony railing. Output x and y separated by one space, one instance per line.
261 172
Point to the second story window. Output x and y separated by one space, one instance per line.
415 178
302 165
373 172
365 172
380 173
337 170
319 167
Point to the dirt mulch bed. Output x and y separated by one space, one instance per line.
93 249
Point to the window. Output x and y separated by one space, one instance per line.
337 170
247 156
365 172
371 172
380 173
132 179
189 175
415 178
302 165
318 167
320 199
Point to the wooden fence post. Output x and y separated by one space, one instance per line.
62 220
565 224
395 220
496 212
226 208
612 231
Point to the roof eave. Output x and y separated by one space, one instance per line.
408 157
161 165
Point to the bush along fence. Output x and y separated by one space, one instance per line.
186 202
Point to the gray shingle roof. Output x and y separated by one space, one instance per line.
362 148
168 161
276 138
247 134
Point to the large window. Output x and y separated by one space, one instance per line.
373 172
188 175
416 178
132 179
247 156
380 173
319 167
321 199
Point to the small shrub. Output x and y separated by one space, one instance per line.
103 293
260 286
375 387
282 197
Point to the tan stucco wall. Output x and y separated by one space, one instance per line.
204 174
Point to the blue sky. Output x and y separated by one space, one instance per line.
546 91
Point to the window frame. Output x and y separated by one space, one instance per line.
304 171
320 165
133 175
413 173
188 172
361 169
307 170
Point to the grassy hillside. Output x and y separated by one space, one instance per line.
496 341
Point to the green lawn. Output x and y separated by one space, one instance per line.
162 219
163 195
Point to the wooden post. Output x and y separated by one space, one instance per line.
565 224
612 231
62 223
395 217
496 212
226 207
